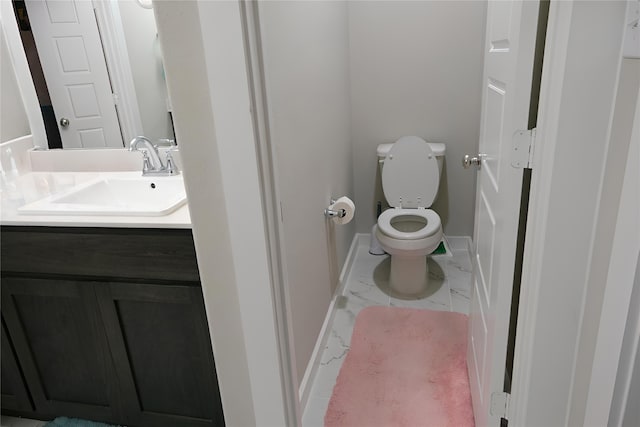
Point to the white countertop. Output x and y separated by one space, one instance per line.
26 188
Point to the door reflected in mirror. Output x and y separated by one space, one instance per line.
97 69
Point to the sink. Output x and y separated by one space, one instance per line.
130 196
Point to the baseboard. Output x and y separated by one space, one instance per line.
358 240
323 337
459 243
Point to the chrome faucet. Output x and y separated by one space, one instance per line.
151 162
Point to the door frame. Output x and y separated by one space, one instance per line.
615 343
233 219
266 154
573 137
215 137
116 57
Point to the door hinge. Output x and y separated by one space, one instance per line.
522 152
116 98
500 404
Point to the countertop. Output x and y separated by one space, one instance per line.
26 188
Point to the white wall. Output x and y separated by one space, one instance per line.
146 66
13 118
614 251
305 48
416 69
214 123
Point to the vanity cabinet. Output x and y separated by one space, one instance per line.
159 340
107 324
54 328
14 390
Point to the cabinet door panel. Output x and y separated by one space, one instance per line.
14 391
160 343
60 344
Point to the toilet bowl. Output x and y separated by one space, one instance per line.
409 230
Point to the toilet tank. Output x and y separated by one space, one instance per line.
438 149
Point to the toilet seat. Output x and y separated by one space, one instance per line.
386 219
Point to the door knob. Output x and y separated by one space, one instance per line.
64 122
467 161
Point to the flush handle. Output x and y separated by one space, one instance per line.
467 161
64 122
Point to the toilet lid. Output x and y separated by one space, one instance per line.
410 175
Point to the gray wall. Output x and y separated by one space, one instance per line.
416 69
305 47
147 69
13 118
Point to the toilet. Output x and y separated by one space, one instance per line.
409 230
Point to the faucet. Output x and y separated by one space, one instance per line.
151 162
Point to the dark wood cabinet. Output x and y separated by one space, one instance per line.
159 340
54 327
109 328
14 390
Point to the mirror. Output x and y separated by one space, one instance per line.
97 69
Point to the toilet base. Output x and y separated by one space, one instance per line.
409 275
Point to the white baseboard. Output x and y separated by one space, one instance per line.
323 337
459 243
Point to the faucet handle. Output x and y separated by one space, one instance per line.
171 166
166 142
146 163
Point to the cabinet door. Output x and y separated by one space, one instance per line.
14 391
160 343
57 336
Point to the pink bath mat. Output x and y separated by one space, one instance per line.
405 368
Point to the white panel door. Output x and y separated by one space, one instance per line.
70 51
510 43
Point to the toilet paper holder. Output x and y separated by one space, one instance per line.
330 213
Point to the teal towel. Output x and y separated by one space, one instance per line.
74 422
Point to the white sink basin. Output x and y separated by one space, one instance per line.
130 196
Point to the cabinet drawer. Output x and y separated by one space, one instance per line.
161 254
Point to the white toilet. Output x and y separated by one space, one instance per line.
409 230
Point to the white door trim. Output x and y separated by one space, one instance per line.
116 55
577 97
620 280
265 152
23 75
212 102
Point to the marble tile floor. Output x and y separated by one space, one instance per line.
7 421
365 285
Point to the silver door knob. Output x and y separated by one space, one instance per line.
467 161
64 122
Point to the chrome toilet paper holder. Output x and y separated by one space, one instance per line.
330 213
